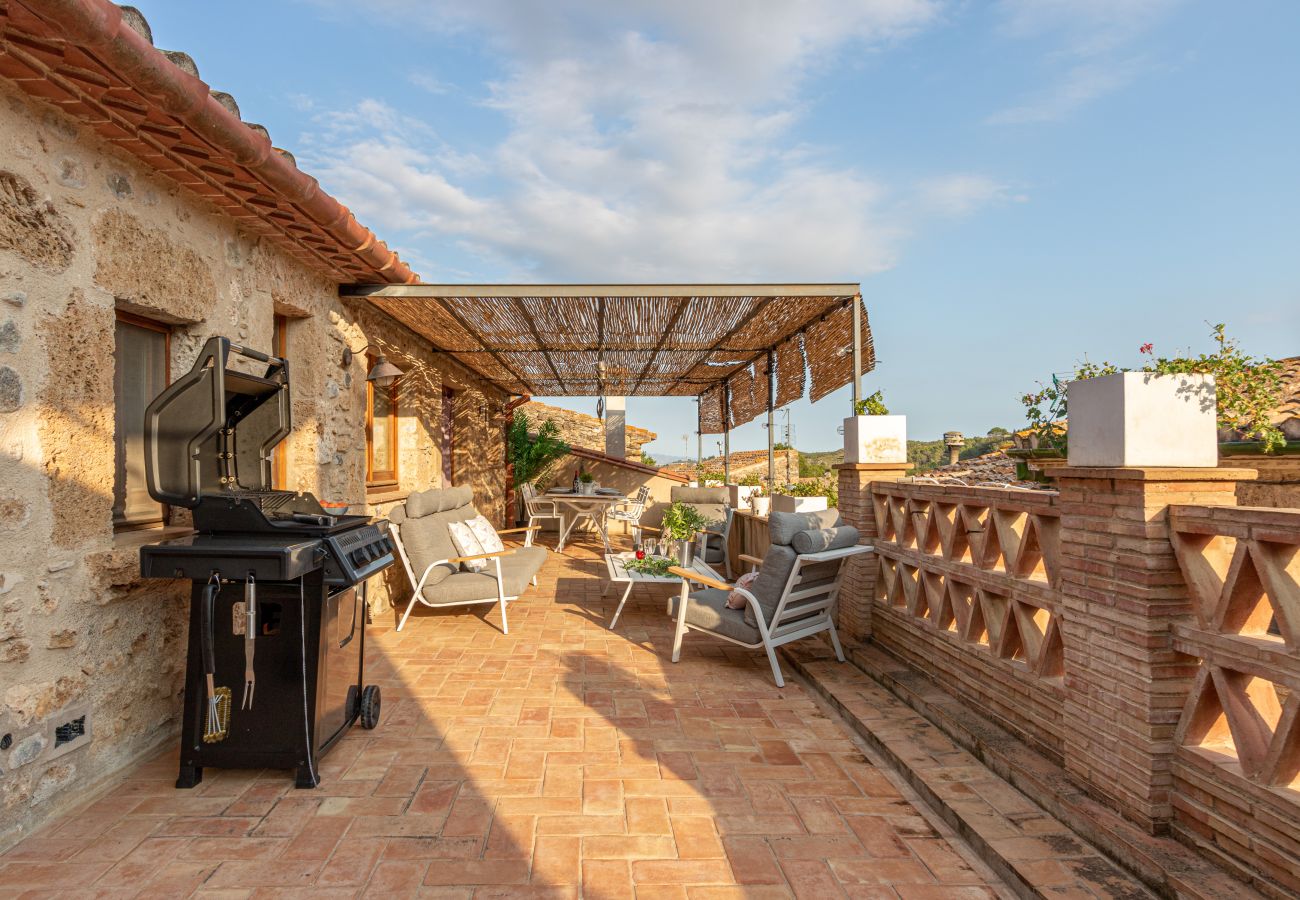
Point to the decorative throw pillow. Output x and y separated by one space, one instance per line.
467 545
487 536
736 600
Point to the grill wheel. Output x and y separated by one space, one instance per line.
370 706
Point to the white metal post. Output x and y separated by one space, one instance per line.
726 435
771 420
857 351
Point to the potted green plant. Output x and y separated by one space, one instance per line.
741 491
681 523
586 483
872 435
760 502
1167 413
806 496
533 454
707 477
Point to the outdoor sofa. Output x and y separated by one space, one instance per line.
435 568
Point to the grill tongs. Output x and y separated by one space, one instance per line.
217 721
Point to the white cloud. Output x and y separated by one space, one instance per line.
429 83
647 140
1079 86
960 195
1089 52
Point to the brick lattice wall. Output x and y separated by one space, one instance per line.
1236 767
1135 626
966 588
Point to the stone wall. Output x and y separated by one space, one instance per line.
85 231
1276 484
581 430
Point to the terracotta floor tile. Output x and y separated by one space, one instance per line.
474 872
606 878
624 846
396 878
696 838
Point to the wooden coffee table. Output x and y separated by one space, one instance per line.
618 574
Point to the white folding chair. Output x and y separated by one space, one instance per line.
630 514
538 508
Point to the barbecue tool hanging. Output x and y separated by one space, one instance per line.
250 636
218 718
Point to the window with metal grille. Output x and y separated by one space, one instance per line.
141 352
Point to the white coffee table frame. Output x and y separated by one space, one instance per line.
615 563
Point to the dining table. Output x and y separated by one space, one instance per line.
593 507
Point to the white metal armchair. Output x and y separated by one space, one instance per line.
792 598
539 508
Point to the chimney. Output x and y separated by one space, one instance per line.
616 427
955 443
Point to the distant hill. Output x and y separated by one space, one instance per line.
923 455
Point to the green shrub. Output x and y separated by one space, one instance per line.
533 455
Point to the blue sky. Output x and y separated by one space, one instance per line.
1015 184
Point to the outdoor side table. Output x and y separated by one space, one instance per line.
616 563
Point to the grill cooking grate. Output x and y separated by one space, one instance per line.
272 503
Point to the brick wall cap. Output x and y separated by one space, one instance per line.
874 467
1156 473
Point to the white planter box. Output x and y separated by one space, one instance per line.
875 439
762 506
740 494
786 503
1139 419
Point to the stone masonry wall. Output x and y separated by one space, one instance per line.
581 430
84 231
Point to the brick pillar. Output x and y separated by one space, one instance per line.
853 615
1121 593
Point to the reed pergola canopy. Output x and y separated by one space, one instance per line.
722 343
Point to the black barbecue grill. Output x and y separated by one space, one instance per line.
278 600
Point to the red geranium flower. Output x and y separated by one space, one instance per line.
1146 348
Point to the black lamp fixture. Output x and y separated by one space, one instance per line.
382 373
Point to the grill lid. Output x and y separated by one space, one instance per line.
213 429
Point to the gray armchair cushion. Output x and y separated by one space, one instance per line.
427 540
783 526
709 502
517 569
707 609
767 588
825 539
423 503
422 525
697 495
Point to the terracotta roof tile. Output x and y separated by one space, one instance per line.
96 61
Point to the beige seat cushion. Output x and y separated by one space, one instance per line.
707 609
